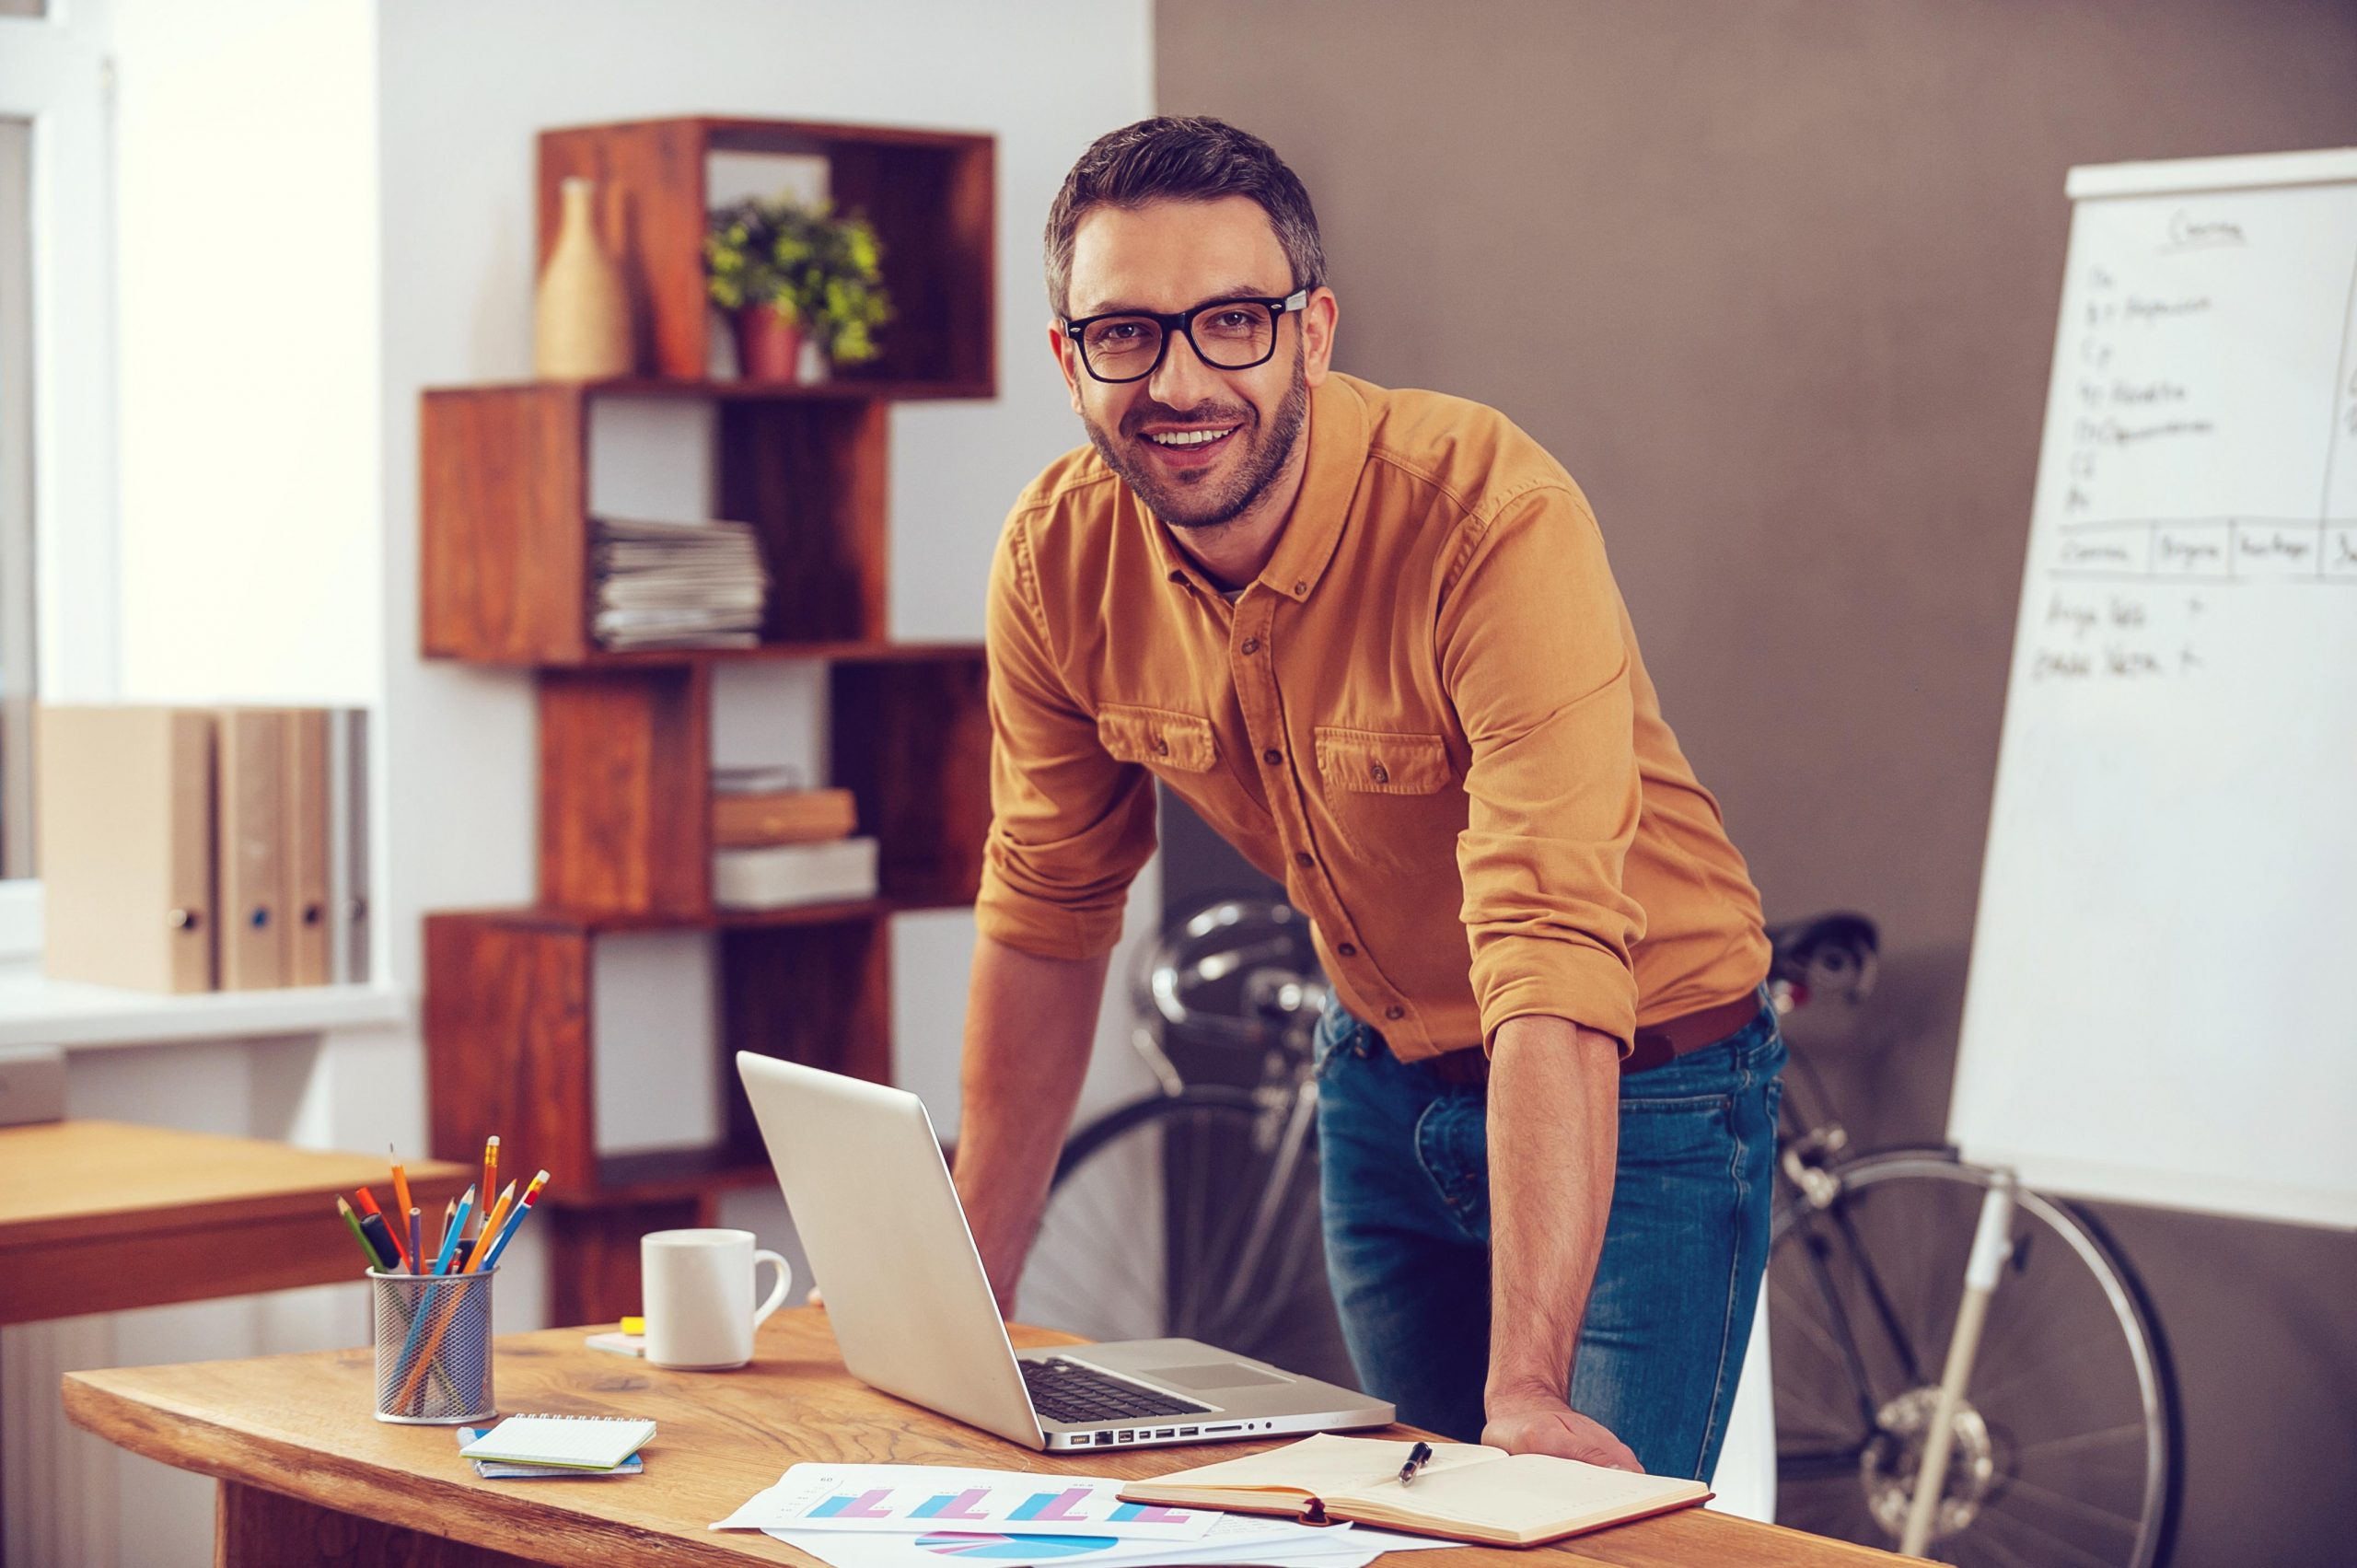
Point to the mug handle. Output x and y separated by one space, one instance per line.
784 1283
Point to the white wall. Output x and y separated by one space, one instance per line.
326 207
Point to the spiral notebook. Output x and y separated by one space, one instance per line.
566 1442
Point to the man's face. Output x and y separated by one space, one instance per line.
1172 256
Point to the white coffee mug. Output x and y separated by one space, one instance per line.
698 1289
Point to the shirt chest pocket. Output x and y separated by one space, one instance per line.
1388 794
1372 762
1156 739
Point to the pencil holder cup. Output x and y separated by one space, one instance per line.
432 1347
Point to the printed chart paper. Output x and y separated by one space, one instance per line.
1236 1540
937 1499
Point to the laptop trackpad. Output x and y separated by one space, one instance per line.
1220 1374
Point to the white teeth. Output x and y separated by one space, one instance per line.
1186 437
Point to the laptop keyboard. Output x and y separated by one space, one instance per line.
1062 1391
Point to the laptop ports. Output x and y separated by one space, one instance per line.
1187 1432
1104 1439
1166 1432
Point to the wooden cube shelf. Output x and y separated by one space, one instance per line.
505 560
625 748
511 1035
928 193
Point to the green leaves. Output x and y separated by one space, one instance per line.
823 271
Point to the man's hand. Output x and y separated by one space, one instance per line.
1541 1425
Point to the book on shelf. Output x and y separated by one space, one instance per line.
757 780
1465 1491
656 583
784 876
783 817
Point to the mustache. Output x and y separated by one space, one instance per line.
1197 418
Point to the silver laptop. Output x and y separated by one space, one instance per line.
913 1312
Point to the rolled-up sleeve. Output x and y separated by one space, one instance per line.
1070 826
1534 659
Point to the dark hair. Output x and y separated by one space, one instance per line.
1182 158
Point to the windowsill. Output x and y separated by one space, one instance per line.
38 1011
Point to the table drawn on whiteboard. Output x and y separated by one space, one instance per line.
2149 320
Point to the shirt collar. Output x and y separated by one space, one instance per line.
1338 442
1336 432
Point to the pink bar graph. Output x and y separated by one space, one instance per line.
1057 1505
866 1505
955 1506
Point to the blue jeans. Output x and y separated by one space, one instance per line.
1407 1215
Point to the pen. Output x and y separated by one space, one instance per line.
1417 1456
457 1223
369 1211
380 1241
416 1241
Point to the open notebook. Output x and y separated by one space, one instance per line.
1464 1491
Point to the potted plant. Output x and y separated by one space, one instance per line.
784 270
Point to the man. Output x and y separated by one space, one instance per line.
1372 638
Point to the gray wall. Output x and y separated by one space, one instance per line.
1777 280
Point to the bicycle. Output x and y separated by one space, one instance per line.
1887 1239
2049 1416
1227 1173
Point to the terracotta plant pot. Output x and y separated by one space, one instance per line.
769 347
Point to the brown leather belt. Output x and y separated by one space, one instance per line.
1654 1045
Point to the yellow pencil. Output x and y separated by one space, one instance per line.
401 1192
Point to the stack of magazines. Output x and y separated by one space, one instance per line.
671 584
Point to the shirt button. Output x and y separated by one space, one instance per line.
1304 860
1301 587
1272 756
1345 950
1161 747
1395 1012
1382 774
1249 645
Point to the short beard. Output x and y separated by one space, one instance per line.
1271 450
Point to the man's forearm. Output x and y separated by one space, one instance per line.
1029 1024
1554 1138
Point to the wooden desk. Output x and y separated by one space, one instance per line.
308 1476
102 1216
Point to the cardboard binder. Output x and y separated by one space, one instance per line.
306 930
251 751
348 930
123 799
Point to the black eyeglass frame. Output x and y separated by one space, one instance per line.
1180 321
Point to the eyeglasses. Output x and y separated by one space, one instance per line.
1228 334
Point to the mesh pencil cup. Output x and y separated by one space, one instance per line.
432 1347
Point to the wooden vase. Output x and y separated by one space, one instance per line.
769 347
581 317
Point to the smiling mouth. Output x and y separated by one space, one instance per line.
1190 443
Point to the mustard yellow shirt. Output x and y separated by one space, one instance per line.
1427 717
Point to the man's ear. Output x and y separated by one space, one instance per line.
1318 318
1067 363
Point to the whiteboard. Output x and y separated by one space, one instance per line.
2162 1001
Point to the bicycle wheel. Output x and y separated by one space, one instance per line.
2064 1449
1229 1181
